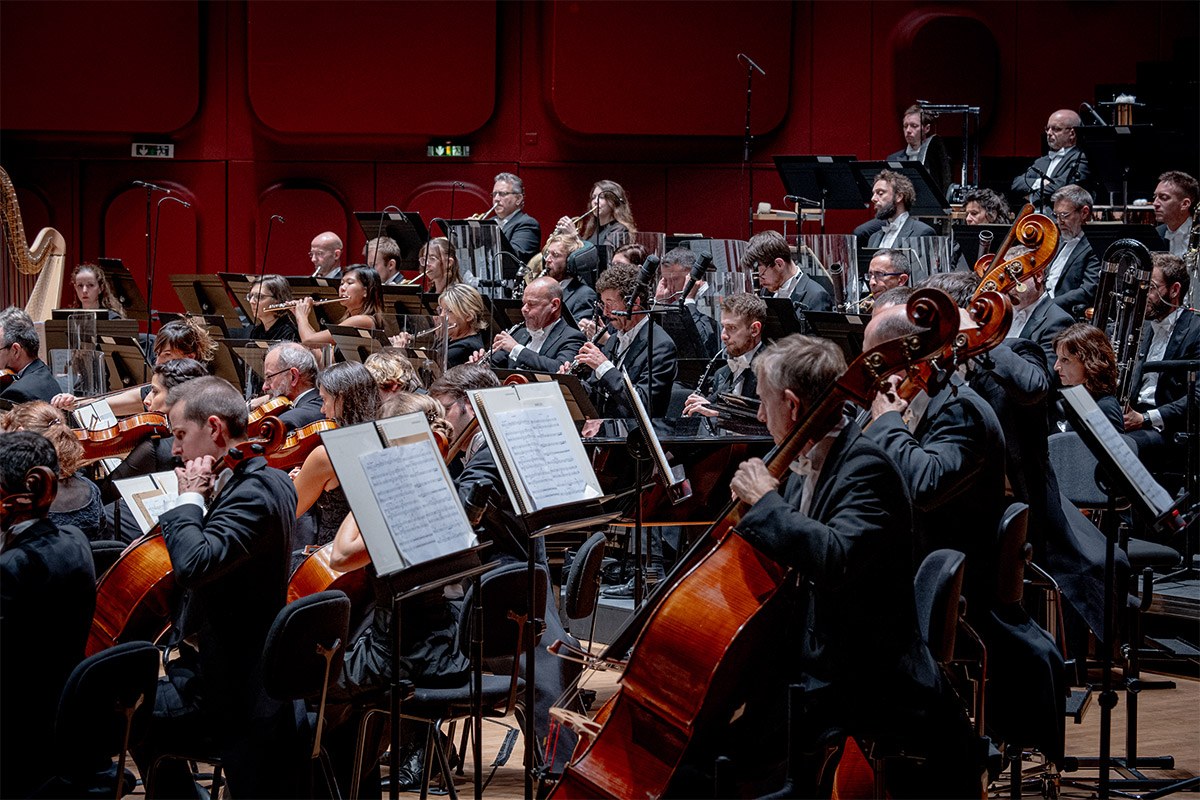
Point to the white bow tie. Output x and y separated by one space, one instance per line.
737 363
888 227
1159 326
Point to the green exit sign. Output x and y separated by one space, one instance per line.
448 150
144 150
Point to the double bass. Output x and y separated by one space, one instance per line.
691 637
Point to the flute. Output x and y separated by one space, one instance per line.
294 303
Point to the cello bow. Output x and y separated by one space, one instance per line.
683 653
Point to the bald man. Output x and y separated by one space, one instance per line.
1064 164
325 253
546 342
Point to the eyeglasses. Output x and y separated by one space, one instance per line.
270 375
1059 128
880 275
1063 216
254 298
503 194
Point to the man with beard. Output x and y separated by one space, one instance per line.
742 317
893 195
290 371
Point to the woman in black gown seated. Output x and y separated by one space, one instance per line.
1086 357
466 315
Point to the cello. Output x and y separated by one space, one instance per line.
135 597
691 636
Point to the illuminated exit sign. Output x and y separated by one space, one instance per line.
142 150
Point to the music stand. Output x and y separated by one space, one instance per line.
124 361
579 402
967 238
929 203
407 300
224 365
846 330
781 319
506 312
124 288
217 325
355 344
681 327
55 330
406 228
205 294
250 356
824 181
237 285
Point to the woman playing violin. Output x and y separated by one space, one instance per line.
78 500
93 292
274 326
362 295
440 265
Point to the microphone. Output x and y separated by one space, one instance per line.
795 198
183 203
1095 115
749 62
697 274
645 275
277 217
153 187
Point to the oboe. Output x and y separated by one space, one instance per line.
709 371
578 368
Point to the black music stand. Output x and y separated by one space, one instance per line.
846 330
408 300
967 239
356 344
781 319
406 228
237 285
824 181
681 327
124 287
205 294
506 312
930 202
124 361
249 356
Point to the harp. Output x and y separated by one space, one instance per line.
30 276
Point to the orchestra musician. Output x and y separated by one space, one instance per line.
19 344
47 600
608 220
889 269
1175 199
628 350
272 326
431 655
1085 357
579 298
632 254
893 194
149 455
325 253
546 341
742 317
228 539
768 254
521 231
439 265
1171 332
383 255
362 298
77 502
674 270
183 338
1073 275
93 292
466 316
1065 163
843 521
348 396
985 207
393 373
921 145
1035 316
290 370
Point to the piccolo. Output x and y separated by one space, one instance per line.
294 303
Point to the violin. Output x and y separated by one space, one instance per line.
293 448
7 376
134 598
123 436
695 627
272 408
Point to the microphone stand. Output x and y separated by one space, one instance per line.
749 138
263 269
150 190
152 259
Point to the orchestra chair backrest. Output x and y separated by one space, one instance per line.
1011 538
105 553
504 594
937 588
582 589
295 666
1075 468
107 697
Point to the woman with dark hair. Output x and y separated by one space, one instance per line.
362 296
78 499
632 254
440 265
349 395
610 220
93 292
1085 357
272 326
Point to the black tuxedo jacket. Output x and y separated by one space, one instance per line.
522 235
911 227
1074 169
47 599
807 295
561 346
1170 396
580 299
459 351
231 561
937 162
36 383
723 380
1046 321
854 632
608 393
307 411
953 464
282 330
1079 278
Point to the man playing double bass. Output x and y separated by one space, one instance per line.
843 522
228 540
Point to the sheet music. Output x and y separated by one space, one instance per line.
96 417
1152 490
422 513
542 457
148 496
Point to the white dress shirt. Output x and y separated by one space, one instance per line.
1065 248
891 230
1161 331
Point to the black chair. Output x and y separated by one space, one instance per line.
503 608
301 657
105 699
105 553
581 593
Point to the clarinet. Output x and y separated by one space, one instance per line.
709 372
578 368
488 353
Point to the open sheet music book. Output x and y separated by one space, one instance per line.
673 478
148 496
397 485
536 446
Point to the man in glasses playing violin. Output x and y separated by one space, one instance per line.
290 370
228 539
